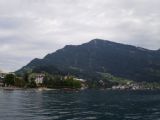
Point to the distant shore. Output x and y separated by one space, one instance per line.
69 89
39 89
11 88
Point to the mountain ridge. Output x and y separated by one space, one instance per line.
122 60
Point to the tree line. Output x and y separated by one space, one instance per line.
49 81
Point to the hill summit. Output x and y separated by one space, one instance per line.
91 60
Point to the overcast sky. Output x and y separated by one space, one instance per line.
33 28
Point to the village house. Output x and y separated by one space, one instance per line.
78 79
39 78
81 80
2 76
1 81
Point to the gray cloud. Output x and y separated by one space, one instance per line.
33 28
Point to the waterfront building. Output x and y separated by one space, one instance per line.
2 76
39 78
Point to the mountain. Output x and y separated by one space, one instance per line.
98 56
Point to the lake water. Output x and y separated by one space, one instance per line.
82 105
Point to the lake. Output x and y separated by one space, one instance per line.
82 105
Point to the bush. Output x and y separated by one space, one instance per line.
60 82
19 82
9 79
32 84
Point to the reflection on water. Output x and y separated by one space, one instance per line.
82 105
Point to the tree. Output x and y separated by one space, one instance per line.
32 83
9 79
26 77
19 82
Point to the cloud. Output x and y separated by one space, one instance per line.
34 28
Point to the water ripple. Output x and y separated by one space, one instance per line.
82 105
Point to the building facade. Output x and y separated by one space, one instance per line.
2 76
39 78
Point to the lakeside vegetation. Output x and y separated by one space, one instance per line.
57 81
115 80
49 81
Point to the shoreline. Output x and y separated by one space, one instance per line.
70 89
39 89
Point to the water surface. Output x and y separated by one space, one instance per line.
82 105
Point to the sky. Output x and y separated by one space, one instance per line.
33 28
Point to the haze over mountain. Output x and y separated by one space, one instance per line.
101 56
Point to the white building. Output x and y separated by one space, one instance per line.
81 80
2 76
39 78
